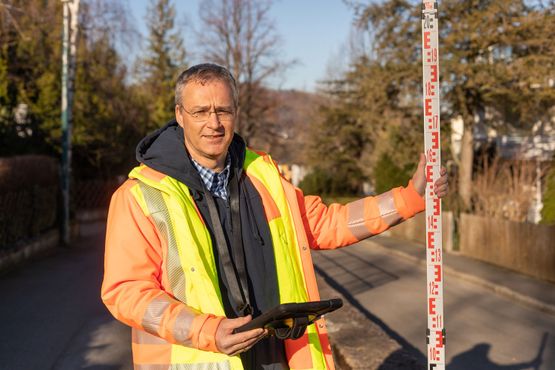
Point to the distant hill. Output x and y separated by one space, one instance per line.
286 133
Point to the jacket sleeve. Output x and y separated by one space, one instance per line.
339 225
132 290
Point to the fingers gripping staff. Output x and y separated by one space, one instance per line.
435 333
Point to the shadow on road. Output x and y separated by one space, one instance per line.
477 358
400 359
357 274
395 359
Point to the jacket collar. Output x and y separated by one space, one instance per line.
164 151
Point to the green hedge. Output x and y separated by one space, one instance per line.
388 175
342 181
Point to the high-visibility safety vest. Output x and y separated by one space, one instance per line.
192 272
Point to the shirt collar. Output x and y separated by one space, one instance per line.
215 182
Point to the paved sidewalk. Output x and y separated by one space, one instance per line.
527 290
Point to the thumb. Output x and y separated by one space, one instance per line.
246 319
419 177
232 324
242 320
422 162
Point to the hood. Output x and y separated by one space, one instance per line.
164 151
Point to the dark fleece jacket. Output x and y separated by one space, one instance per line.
164 150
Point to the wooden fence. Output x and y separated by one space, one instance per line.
414 229
523 247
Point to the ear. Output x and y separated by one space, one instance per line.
178 115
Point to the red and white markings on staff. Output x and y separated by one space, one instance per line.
435 333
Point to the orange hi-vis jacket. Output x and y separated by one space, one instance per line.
160 276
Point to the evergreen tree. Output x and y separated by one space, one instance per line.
367 126
165 58
29 70
108 115
336 150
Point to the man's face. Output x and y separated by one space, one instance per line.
207 115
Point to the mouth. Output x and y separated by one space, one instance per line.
214 137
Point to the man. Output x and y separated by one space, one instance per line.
206 234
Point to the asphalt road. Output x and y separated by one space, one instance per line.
51 316
484 331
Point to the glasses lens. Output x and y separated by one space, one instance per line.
204 115
224 115
201 115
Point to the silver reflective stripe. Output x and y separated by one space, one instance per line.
154 312
161 216
142 337
152 367
159 211
355 220
225 365
204 366
182 326
388 211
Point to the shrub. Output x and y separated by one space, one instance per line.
321 182
316 182
388 175
504 189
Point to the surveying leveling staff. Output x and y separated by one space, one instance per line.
205 234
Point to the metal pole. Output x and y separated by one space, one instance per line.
69 51
65 173
435 333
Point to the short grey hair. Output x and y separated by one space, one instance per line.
203 73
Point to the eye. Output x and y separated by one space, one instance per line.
199 113
224 113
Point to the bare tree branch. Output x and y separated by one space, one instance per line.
240 35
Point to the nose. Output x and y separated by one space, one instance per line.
213 120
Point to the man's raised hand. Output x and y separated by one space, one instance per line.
441 186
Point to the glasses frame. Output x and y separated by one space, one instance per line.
195 117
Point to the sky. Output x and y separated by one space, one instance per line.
314 33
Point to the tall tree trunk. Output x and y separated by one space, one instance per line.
465 172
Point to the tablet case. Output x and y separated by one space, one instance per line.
289 320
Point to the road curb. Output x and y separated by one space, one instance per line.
497 288
48 242
42 245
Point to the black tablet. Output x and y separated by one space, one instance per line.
286 314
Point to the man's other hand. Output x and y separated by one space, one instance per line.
233 344
441 186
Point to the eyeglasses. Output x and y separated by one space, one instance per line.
202 115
